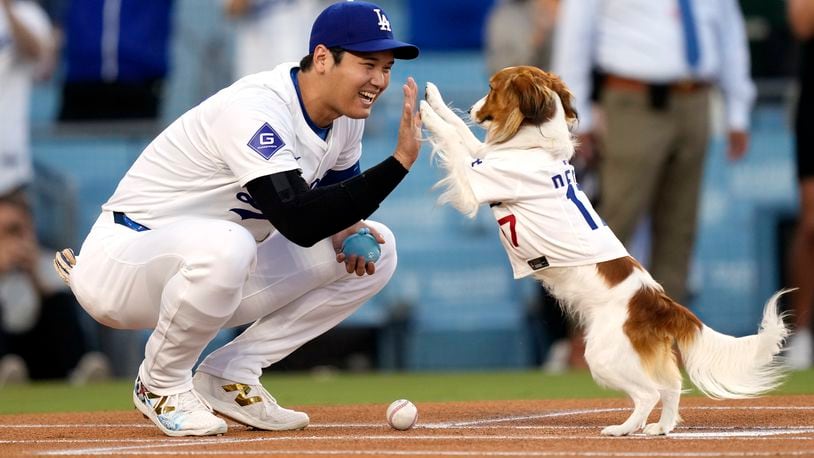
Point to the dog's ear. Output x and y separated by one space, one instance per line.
535 102
556 84
506 113
499 109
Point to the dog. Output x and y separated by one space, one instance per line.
550 230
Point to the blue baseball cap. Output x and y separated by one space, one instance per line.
358 26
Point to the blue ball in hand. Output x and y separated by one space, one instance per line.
363 244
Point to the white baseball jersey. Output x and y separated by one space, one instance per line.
16 75
544 218
200 164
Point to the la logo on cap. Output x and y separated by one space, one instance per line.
358 26
384 24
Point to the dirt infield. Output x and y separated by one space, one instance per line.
771 426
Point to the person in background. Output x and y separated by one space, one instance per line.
201 56
659 61
26 52
519 32
269 31
799 354
116 59
41 336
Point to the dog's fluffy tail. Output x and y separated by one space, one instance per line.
454 159
729 367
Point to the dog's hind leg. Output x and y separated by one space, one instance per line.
615 364
643 402
669 413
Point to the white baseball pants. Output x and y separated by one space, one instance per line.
189 279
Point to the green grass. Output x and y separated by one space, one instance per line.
340 388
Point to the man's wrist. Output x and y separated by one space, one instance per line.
404 159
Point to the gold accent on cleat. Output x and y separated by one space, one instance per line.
242 398
160 408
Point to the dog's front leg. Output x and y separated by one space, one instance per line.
433 96
454 158
443 136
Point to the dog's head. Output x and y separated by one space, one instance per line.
522 95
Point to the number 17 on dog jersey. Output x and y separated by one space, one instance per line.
544 218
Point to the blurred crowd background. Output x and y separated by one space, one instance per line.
102 77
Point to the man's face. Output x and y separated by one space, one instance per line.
18 245
357 81
15 225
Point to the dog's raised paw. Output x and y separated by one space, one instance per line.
433 95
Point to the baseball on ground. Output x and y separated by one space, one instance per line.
402 414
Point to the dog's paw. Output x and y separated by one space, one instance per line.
439 129
433 95
656 429
429 118
616 430
423 108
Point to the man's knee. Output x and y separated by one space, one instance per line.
229 251
386 265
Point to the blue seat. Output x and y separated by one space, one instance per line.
465 309
93 166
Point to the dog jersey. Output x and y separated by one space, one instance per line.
544 218
199 165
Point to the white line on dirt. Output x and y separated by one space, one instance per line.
170 443
272 452
150 446
566 413
453 424
747 435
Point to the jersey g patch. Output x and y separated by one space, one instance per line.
266 141
206 157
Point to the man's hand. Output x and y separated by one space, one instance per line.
354 263
586 148
237 8
28 256
738 144
409 140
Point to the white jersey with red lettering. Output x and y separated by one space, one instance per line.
199 165
544 218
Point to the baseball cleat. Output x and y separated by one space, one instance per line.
181 414
63 263
251 405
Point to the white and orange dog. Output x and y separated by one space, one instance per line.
551 231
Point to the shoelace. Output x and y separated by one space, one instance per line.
189 400
273 406
265 394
